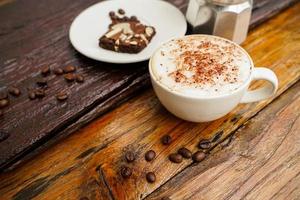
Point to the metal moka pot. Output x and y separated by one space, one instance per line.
226 18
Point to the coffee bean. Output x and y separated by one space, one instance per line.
165 198
151 178
175 158
125 18
4 103
69 77
69 69
3 135
199 156
61 96
217 136
14 91
112 13
121 11
3 94
185 152
41 82
79 78
130 157
150 155
45 71
126 172
31 95
40 93
58 71
204 144
166 139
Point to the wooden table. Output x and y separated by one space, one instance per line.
255 154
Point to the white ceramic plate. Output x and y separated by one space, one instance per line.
93 22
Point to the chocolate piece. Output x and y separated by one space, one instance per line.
126 34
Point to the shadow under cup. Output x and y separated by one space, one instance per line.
208 108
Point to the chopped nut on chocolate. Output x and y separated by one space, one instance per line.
126 34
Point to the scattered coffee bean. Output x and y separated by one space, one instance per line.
79 78
58 71
217 136
165 198
150 155
3 135
14 91
121 11
151 178
45 71
204 144
3 94
175 158
31 95
69 69
112 13
41 82
185 152
4 103
166 139
61 96
199 156
40 93
130 157
125 18
126 172
69 77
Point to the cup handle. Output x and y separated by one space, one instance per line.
261 73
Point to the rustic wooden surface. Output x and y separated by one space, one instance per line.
35 34
259 161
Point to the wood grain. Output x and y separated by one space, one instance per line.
36 34
93 155
262 161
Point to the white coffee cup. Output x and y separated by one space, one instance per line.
208 108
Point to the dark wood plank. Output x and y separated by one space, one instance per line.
260 161
34 35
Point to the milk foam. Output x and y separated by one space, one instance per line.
201 66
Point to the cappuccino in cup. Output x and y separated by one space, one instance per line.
202 77
201 66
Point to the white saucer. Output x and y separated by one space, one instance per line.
93 22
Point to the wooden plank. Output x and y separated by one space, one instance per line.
97 150
261 162
33 36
